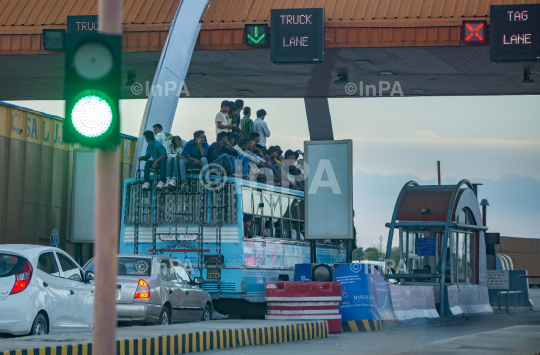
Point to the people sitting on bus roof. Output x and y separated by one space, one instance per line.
255 163
159 134
281 178
195 152
174 148
155 157
260 126
246 123
241 159
220 153
236 120
293 169
223 123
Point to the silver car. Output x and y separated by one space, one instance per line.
158 290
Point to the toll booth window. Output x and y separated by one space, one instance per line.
463 260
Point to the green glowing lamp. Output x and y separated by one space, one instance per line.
92 91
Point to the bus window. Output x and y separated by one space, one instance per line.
294 209
269 230
247 202
284 207
296 231
257 202
286 229
276 206
257 227
301 209
267 201
277 227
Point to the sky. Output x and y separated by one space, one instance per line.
494 140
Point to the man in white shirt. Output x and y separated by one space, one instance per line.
222 120
260 127
158 133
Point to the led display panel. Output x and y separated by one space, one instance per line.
515 32
297 36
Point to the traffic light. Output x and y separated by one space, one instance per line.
92 90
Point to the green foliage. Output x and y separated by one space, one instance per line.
358 254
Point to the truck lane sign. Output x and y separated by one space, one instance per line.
297 36
515 32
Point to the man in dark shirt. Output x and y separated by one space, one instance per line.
155 154
239 106
220 153
195 153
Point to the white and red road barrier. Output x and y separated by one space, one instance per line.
295 300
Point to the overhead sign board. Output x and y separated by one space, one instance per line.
80 26
328 189
297 35
515 32
257 35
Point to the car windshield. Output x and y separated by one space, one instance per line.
134 266
8 264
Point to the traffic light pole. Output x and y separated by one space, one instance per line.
107 216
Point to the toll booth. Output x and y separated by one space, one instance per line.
441 244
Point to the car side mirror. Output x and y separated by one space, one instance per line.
198 281
89 276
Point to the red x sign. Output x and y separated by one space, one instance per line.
474 32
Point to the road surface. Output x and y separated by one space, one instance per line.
496 334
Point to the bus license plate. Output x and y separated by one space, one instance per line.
212 274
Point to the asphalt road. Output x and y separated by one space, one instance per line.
495 334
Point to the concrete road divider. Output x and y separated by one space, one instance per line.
296 300
212 336
362 325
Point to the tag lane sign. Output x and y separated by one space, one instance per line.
515 32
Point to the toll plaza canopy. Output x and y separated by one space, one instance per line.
418 43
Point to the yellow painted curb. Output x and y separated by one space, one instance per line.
364 325
195 342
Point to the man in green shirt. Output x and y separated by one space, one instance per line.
246 123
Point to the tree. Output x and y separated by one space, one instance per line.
372 254
358 254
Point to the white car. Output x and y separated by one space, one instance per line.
43 290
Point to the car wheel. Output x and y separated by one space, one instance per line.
207 314
39 327
164 317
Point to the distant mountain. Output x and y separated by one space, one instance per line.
514 204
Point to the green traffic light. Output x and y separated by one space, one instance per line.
92 113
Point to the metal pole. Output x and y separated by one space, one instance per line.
439 171
107 220
484 215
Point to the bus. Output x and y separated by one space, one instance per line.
205 229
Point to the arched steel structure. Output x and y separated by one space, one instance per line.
448 224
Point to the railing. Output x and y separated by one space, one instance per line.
514 295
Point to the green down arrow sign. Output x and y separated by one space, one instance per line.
256 35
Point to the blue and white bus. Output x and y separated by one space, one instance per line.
204 229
